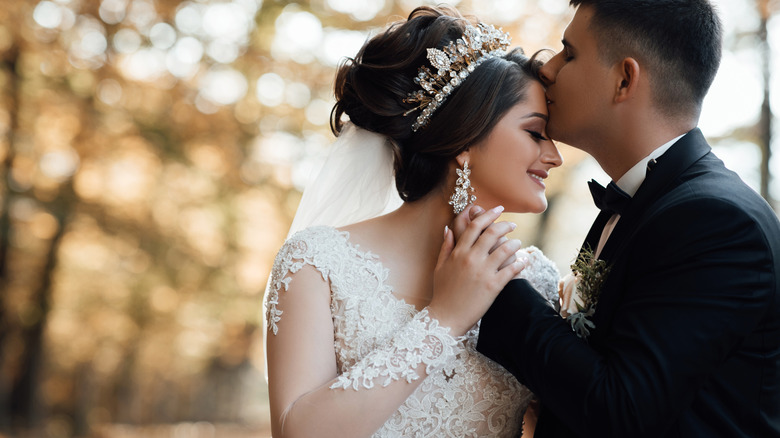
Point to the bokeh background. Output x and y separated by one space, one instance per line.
152 155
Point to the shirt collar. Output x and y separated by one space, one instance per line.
635 176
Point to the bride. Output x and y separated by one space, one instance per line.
358 344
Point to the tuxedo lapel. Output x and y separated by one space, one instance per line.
666 174
592 239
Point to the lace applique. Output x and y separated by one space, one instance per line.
542 273
297 252
421 340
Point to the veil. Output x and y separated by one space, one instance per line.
355 184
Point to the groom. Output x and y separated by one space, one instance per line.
687 325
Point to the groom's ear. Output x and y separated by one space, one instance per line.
627 79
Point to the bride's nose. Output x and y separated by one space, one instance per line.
550 155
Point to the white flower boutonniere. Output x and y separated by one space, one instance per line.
579 291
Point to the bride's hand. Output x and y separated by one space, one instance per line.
464 219
470 274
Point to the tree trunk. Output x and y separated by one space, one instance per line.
26 406
8 65
765 121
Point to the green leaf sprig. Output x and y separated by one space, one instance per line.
591 274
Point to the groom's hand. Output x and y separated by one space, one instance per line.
462 221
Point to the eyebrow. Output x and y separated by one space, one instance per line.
535 114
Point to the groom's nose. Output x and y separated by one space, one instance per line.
549 70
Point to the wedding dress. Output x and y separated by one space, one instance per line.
380 338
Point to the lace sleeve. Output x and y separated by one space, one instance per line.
421 341
304 248
542 274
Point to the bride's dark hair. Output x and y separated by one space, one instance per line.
371 88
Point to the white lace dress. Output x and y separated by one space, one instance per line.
380 338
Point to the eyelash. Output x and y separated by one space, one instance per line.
536 135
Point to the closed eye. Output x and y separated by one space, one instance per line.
567 55
536 135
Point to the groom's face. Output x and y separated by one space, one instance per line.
578 84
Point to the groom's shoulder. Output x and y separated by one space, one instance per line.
709 178
710 183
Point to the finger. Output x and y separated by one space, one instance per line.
475 211
512 271
446 247
461 221
489 240
478 225
504 252
500 241
508 261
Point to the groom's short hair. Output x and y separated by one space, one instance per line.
677 41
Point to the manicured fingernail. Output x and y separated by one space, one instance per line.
498 209
513 225
446 230
478 210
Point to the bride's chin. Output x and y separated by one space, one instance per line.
540 208
526 209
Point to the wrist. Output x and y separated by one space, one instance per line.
445 320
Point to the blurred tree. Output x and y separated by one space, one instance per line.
121 255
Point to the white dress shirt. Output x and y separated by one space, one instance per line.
629 183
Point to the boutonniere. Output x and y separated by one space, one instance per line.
579 291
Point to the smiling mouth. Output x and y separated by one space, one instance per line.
537 177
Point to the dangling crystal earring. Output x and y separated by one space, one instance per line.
463 195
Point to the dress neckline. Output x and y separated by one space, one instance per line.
367 255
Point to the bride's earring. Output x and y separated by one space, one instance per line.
464 192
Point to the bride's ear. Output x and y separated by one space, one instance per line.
463 157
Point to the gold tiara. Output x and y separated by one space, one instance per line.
454 64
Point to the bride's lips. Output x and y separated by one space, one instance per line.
538 176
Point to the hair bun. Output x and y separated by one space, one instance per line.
371 88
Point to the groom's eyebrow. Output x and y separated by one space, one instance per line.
534 114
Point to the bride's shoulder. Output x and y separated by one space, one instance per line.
541 272
315 232
318 246
311 241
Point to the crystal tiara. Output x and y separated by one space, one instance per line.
454 63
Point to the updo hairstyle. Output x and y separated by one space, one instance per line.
371 87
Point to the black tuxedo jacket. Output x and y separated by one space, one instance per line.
687 337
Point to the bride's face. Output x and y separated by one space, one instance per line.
510 165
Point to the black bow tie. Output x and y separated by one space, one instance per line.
611 199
